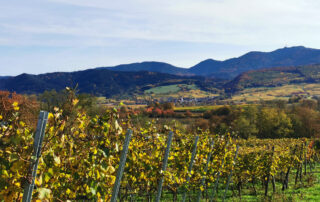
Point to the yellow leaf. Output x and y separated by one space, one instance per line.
46 177
111 169
50 170
17 184
56 160
113 179
50 116
15 104
5 173
75 101
98 174
87 189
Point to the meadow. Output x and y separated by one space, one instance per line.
178 91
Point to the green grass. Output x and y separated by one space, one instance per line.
164 89
307 190
177 91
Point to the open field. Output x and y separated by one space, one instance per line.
281 92
178 90
196 108
168 89
202 108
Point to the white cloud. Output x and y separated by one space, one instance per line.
230 21
113 24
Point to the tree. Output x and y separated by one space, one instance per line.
244 128
273 123
51 99
11 102
305 121
168 105
307 103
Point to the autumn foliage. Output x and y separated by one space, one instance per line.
80 155
11 102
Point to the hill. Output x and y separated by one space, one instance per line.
229 69
294 56
100 82
150 67
4 77
275 77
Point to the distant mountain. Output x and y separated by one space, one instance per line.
275 77
4 77
100 82
294 56
229 69
295 64
151 67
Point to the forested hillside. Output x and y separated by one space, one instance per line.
101 82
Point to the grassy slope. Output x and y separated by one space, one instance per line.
163 89
178 90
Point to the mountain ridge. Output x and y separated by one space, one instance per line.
151 66
100 82
230 68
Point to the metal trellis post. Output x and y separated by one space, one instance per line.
191 165
38 138
164 165
230 175
122 164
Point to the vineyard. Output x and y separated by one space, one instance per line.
80 157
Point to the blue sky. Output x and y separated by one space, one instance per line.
38 36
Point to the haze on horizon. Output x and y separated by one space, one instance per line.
38 36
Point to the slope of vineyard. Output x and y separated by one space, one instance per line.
80 156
